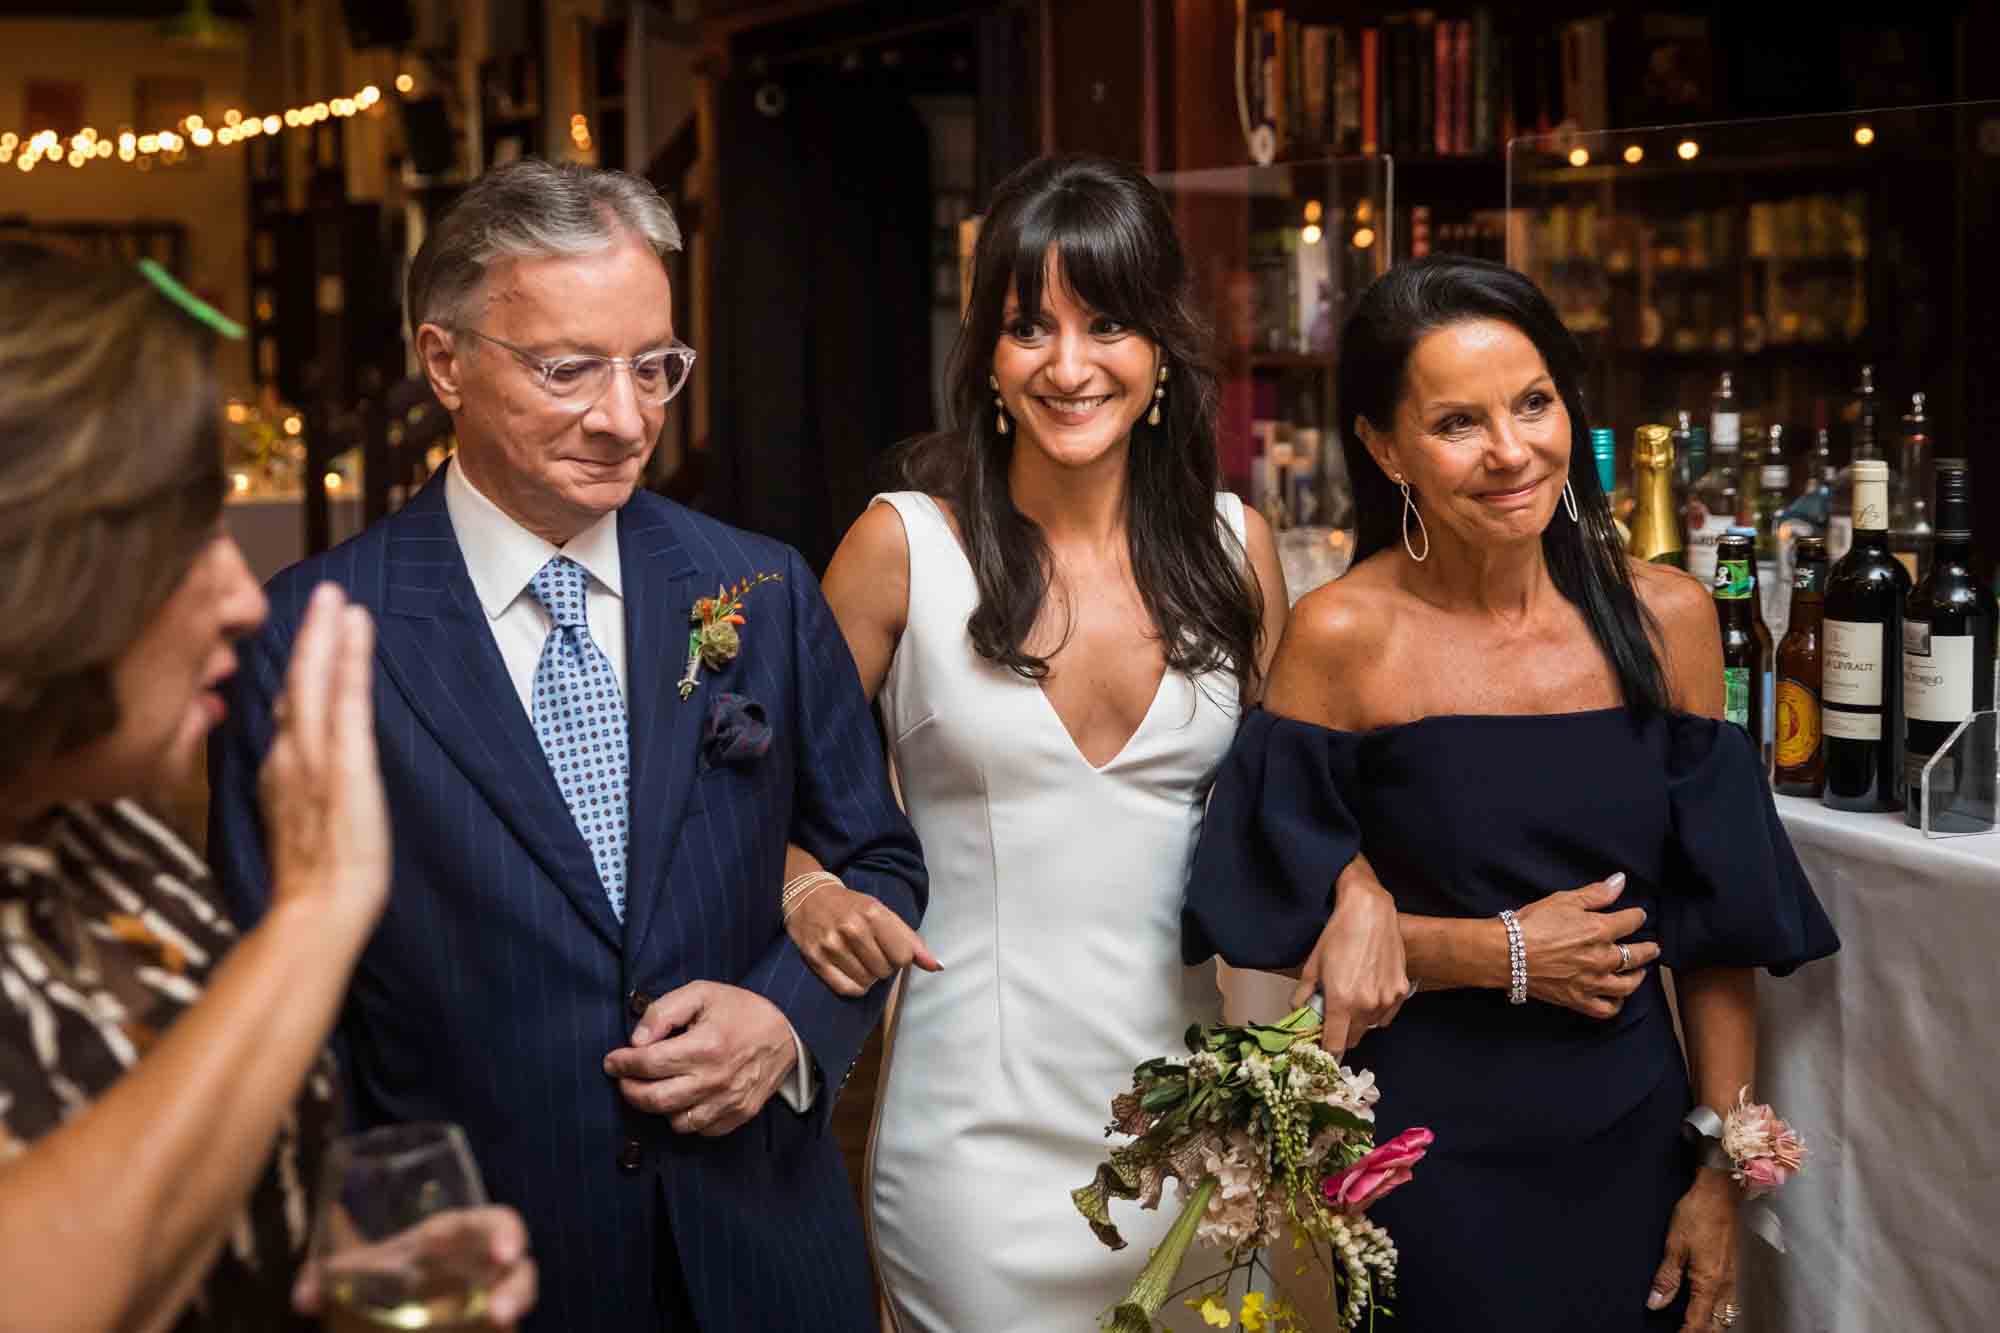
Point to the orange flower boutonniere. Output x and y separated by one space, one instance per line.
714 639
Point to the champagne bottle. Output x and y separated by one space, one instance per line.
1948 629
1861 690
1744 653
1656 527
1800 758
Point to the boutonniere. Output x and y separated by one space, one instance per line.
714 639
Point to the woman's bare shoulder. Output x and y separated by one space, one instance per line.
1335 644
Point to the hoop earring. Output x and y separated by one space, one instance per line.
1569 501
999 405
1159 396
1409 508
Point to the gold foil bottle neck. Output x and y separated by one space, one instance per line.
1652 447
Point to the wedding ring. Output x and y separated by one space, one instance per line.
1624 958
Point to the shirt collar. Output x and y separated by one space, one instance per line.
501 555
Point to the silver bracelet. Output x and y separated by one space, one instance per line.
1517 960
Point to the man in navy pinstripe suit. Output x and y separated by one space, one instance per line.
583 960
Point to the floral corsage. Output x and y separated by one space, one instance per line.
1764 1152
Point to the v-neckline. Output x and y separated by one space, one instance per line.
1152 706
1048 704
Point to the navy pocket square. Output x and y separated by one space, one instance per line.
734 734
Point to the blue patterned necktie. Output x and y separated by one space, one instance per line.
580 721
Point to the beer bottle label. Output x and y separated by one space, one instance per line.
1732 580
1798 723
1736 695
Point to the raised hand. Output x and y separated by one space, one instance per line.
852 941
707 1056
321 784
1573 942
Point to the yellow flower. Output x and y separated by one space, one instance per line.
1253 1314
1214 1314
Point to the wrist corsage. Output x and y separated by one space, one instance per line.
1758 1149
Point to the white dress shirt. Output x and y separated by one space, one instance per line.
502 557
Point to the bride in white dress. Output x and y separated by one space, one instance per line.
1062 619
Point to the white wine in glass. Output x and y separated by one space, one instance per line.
393 1243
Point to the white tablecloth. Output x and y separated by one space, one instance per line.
1885 1058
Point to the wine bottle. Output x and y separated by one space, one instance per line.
1604 452
1948 628
1910 532
1861 683
1861 444
1743 653
1656 527
1712 510
1774 481
1800 754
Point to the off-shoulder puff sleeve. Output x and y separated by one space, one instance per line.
1276 837
1741 899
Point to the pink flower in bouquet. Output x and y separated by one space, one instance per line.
1387 1167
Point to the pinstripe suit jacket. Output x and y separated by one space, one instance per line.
499 977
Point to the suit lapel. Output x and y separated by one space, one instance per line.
435 645
660 589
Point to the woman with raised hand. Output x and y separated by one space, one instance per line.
165 1096
1495 699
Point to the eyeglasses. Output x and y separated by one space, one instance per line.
577 382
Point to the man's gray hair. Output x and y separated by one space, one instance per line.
529 209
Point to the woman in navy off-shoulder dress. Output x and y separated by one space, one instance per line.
1501 703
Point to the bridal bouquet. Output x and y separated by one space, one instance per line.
1259 1128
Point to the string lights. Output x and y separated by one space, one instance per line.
173 144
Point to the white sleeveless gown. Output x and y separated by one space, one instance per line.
1055 908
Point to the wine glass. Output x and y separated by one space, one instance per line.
392 1244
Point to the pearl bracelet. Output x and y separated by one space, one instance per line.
801 887
1517 960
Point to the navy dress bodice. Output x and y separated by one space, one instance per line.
1555 1130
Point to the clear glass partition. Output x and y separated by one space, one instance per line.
1831 266
1280 253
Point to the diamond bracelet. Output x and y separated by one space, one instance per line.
1517 960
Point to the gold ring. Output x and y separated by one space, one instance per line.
1624 959
1726 1316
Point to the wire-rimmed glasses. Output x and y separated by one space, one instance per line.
577 381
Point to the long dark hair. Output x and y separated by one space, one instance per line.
1585 558
1114 239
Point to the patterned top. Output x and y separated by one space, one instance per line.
109 928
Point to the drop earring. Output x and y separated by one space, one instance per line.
1569 501
1159 396
1409 508
999 405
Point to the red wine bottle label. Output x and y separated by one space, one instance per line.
1852 726
1937 674
1852 666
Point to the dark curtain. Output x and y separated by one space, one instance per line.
823 243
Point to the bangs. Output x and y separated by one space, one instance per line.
1101 256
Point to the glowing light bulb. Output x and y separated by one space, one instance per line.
1864 135
333 481
104 148
1579 157
1313 210
1635 154
271 124
232 118
1364 237
292 119
293 425
404 83
370 95
1310 233
194 123
1689 150
203 137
